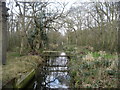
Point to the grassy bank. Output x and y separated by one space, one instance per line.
18 66
94 70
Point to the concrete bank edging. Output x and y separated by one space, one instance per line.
25 80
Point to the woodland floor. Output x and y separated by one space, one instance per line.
94 70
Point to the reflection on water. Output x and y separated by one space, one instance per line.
62 54
56 75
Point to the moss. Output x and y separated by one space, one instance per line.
23 82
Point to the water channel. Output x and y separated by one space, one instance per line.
53 75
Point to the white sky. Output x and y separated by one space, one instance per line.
72 0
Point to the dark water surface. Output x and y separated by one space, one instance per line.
53 75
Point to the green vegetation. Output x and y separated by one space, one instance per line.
94 70
12 54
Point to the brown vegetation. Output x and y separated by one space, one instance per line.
18 66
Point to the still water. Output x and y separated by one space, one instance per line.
53 75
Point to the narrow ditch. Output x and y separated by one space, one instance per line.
53 75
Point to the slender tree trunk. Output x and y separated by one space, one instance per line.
23 31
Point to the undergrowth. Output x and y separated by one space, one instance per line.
94 70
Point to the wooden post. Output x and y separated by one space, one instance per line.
0 33
118 8
3 31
